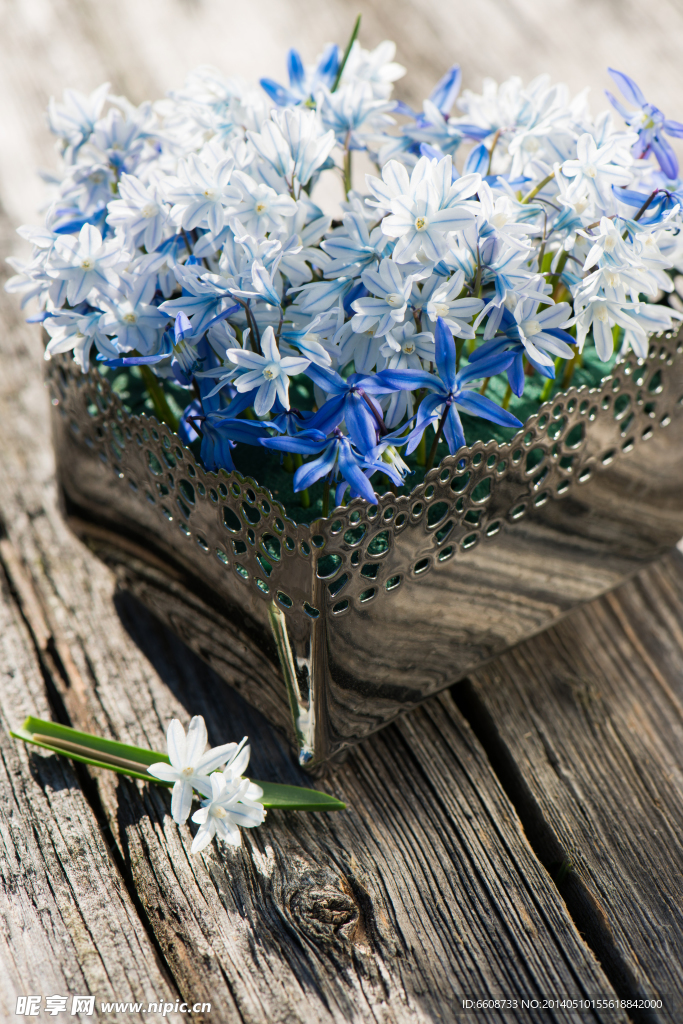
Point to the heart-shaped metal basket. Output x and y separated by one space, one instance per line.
335 628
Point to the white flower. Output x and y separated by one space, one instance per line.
650 318
77 332
363 348
228 809
594 170
440 298
608 246
600 315
261 209
499 215
354 113
86 262
74 118
119 139
387 305
131 318
430 209
202 194
269 373
404 349
374 66
190 764
535 330
293 143
140 212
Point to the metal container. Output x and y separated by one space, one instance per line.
334 629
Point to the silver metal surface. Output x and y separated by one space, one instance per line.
359 617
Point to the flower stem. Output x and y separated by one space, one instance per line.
287 463
348 184
482 389
305 496
556 279
437 438
459 345
569 369
647 202
537 188
493 146
347 51
506 398
161 407
550 382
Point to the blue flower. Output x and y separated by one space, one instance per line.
267 374
435 126
448 390
189 422
655 205
202 301
514 339
302 84
182 350
350 401
337 458
353 246
219 434
444 93
649 122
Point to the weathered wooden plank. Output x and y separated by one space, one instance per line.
58 936
424 891
426 886
585 725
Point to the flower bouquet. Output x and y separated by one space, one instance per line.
380 442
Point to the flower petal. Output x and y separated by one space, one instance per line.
181 801
176 744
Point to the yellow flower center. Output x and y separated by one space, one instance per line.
421 223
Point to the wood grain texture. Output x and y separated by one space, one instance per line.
425 890
58 936
585 724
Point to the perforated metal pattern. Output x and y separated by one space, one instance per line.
496 542
235 520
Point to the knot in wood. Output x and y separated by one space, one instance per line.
323 909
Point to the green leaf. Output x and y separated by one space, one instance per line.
347 51
296 798
49 734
